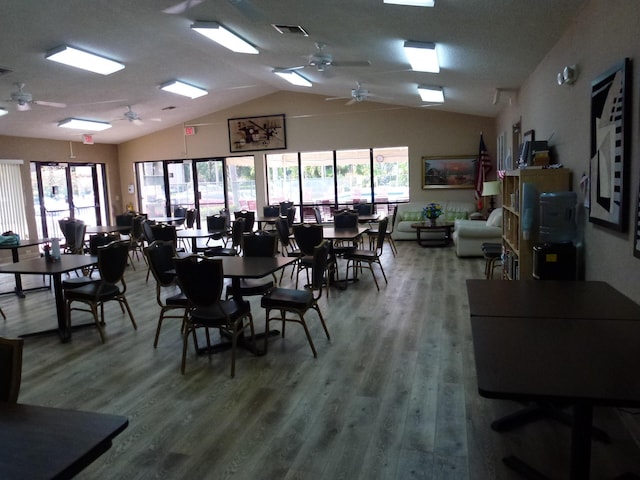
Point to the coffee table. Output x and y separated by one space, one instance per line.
445 227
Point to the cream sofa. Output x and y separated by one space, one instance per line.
469 235
409 213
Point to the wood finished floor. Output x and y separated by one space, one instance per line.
391 396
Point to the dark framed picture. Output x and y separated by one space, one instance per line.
257 133
449 172
610 147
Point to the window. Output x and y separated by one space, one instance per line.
341 177
12 209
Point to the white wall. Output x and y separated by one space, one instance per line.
601 36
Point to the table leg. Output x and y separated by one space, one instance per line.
581 441
63 331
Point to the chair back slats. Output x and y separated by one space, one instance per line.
10 368
190 218
382 232
112 261
164 232
308 236
271 211
320 259
96 241
216 222
345 219
363 208
259 244
201 279
284 208
180 212
318 214
249 218
160 256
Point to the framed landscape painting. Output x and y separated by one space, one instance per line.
610 147
449 172
257 133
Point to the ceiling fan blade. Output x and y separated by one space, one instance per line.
355 63
182 7
351 102
50 104
138 122
336 98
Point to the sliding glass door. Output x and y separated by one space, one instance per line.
76 190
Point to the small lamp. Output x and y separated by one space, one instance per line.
491 189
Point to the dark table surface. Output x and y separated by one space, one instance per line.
43 443
568 341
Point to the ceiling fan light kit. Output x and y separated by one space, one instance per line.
80 124
184 89
85 60
412 3
422 56
219 34
293 77
431 94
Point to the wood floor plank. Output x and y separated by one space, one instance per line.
391 396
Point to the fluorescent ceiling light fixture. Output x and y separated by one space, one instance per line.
87 125
412 3
431 94
3 111
224 37
184 89
84 60
293 77
422 56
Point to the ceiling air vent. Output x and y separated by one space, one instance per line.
294 29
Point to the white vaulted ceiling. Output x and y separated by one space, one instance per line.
482 45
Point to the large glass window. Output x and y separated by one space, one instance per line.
241 183
341 177
354 176
283 179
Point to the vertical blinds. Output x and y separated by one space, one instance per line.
12 210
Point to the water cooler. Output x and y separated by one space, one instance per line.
554 257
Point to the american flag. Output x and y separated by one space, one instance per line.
484 167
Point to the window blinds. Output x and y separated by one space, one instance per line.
12 210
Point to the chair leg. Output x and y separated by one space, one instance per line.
306 330
392 244
316 307
122 300
185 341
155 341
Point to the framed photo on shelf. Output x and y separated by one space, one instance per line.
610 147
449 172
248 134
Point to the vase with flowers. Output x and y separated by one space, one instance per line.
431 212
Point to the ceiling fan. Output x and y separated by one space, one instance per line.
132 116
24 100
321 60
358 94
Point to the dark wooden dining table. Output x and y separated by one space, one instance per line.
39 266
41 443
568 342
15 256
194 234
102 229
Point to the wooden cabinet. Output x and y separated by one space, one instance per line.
517 245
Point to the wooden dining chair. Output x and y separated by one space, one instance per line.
10 368
202 279
160 259
299 302
112 261
360 258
